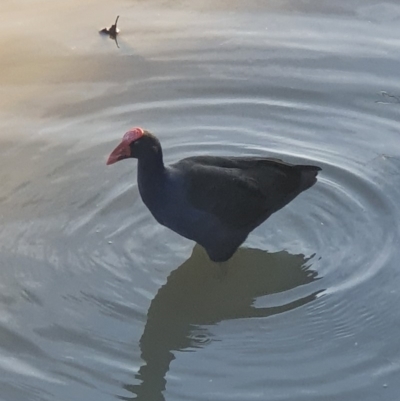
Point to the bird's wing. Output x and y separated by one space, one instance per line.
243 163
237 191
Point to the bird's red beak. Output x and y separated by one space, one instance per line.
122 151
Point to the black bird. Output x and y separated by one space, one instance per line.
215 201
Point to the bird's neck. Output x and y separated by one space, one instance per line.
151 168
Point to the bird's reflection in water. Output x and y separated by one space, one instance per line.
195 295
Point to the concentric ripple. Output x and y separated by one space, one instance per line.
345 224
99 299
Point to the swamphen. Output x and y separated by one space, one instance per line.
215 201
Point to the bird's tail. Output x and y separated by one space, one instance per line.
308 176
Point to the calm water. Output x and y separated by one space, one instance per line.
98 302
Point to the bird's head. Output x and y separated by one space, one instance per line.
136 143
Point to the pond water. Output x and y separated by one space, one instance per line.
98 301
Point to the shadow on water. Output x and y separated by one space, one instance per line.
196 295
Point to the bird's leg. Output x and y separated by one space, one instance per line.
222 269
219 269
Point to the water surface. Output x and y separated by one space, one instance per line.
99 302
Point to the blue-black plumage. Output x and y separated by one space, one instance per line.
213 200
